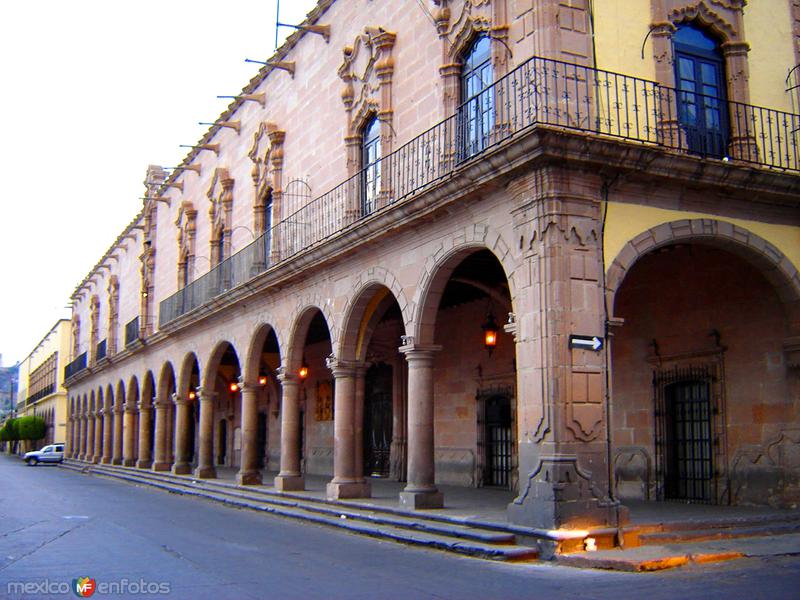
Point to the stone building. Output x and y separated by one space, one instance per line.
41 384
542 245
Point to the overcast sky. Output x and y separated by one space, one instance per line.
91 92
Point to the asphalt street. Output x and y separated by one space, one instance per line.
58 525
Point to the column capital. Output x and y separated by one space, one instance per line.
206 396
144 407
129 407
286 377
414 351
344 368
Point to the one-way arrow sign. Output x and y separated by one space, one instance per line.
586 342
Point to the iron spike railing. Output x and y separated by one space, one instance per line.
540 91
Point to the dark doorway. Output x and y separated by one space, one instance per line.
378 420
498 441
702 107
223 442
262 438
689 471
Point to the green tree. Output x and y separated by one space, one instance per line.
31 427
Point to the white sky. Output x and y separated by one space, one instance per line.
91 92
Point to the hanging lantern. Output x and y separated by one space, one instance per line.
489 333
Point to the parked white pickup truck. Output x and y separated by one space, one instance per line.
52 453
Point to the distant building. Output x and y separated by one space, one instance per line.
8 387
41 378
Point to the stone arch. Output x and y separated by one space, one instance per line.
362 314
300 320
773 264
133 390
250 365
148 388
185 374
209 374
439 267
723 29
109 397
120 395
166 379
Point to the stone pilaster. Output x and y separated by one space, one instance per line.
420 491
249 473
561 418
205 464
290 478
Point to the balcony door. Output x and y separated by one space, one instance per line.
702 107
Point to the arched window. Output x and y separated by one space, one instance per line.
476 113
699 76
370 165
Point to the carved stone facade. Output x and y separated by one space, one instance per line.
351 343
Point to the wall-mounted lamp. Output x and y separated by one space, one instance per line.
211 147
194 168
262 379
192 395
235 125
303 371
490 330
260 97
233 387
286 65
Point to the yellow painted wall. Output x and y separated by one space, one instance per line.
768 30
626 221
620 28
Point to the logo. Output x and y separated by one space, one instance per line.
84 587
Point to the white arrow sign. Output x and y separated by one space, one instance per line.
585 341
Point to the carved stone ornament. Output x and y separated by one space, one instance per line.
262 154
220 196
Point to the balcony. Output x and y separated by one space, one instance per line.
43 393
76 366
131 331
538 92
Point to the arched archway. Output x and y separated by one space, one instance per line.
702 380
164 419
108 426
146 434
186 415
130 439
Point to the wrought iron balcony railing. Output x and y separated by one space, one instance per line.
538 92
44 392
76 366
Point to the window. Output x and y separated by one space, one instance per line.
267 227
701 92
476 113
370 165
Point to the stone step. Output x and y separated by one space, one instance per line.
719 533
459 539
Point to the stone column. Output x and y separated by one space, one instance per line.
345 483
290 478
98 436
561 406
108 428
249 474
79 442
71 436
129 433
420 490
358 423
88 455
161 462
182 464
116 458
205 464
145 450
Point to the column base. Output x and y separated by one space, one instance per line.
129 462
419 500
144 464
205 473
289 483
248 478
116 461
105 460
161 466
181 468
342 491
